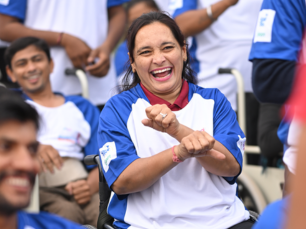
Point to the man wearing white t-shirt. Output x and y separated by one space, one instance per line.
82 35
68 132
223 32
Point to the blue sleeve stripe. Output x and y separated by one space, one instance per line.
117 167
15 8
111 3
229 142
187 5
227 130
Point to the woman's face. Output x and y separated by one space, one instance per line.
158 59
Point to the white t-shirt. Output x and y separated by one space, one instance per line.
70 128
225 44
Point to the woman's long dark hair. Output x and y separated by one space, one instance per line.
142 21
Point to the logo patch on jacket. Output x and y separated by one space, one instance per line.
241 144
107 153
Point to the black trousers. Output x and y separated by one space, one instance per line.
252 115
248 224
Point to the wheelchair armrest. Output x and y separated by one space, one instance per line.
91 159
104 220
82 78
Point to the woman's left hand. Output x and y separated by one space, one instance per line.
161 118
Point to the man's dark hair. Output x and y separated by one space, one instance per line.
149 3
131 79
22 43
13 107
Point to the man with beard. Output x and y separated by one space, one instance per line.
19 166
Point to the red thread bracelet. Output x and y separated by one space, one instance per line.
174 157
59 39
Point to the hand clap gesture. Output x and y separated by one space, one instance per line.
161 118
197 144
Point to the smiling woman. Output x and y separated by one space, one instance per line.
170 150
160 36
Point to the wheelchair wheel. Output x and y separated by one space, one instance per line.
246 197
250 194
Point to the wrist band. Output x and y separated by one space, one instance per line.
59 39
174 157
209 13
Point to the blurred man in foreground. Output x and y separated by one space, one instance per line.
19 165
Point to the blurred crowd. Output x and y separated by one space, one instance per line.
262 39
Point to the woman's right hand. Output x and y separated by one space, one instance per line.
197 144
168 124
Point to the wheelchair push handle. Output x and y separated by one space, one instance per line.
70 71
225 70
91 159
241 96
80 74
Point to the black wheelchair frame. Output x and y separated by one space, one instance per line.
105 221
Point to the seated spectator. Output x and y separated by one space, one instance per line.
68 132
81 34
19 166
171 151
134 8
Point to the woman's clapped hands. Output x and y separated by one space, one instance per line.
161 118
197 144
194 144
